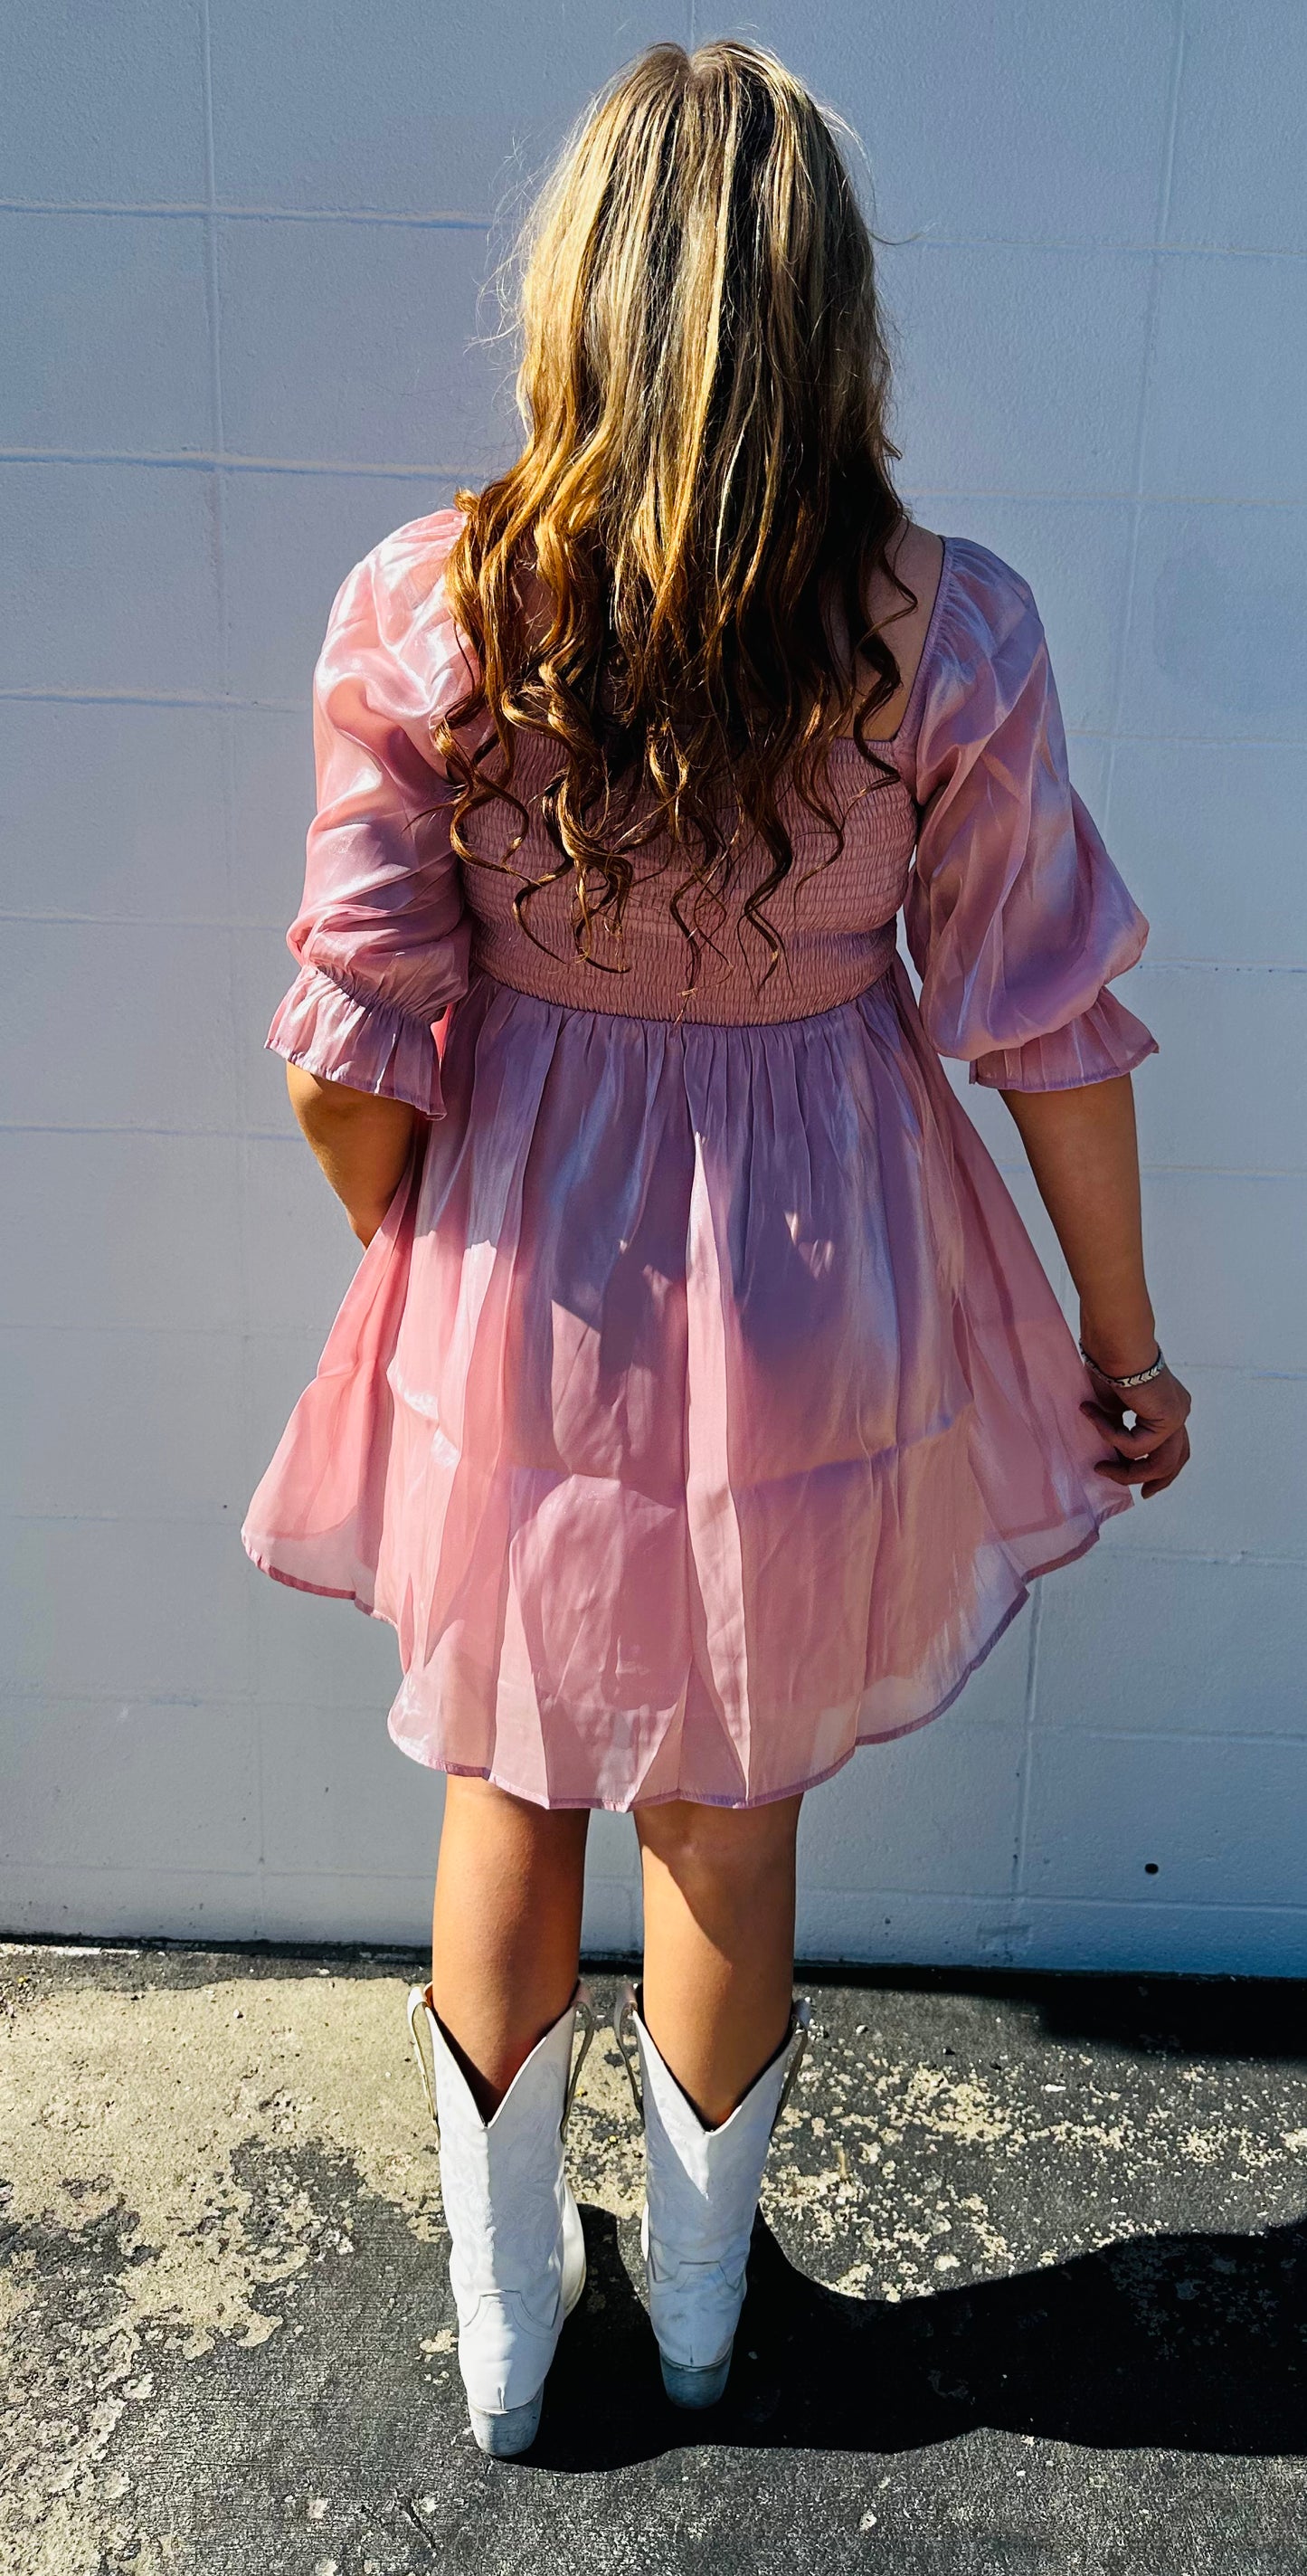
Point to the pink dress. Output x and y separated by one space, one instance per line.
701 1409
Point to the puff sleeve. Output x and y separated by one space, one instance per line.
382 936
1016 918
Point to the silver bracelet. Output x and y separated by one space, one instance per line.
1138 1377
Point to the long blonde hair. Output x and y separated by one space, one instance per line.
704 381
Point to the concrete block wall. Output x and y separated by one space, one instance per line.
242 251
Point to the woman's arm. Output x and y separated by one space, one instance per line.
1082 1148
361 1140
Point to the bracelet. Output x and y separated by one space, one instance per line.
1138 1377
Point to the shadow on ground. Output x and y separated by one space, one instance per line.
1193 2343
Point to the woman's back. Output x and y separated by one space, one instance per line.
833 913
972 778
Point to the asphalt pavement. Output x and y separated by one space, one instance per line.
1028 2291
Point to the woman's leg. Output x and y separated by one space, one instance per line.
505 1929
718 1943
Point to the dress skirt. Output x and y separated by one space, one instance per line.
700 1411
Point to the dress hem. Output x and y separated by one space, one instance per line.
767 1797
296 1583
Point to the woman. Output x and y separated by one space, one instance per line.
699 1409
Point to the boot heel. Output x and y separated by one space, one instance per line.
696 2387
502 2437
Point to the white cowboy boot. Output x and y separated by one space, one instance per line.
517 2254
701 2192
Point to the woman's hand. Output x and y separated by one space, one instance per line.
1151 1454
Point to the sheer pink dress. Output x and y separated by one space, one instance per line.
701 1410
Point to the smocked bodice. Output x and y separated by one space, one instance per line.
833 915
1014 914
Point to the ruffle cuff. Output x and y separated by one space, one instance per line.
1106 1039
371 1046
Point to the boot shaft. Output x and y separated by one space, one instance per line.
501 2179
703 2183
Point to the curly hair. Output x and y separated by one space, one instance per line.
704 382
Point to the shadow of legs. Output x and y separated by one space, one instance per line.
1178 2342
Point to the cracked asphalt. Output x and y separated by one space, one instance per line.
1029 2289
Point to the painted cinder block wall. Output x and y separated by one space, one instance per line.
241 254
